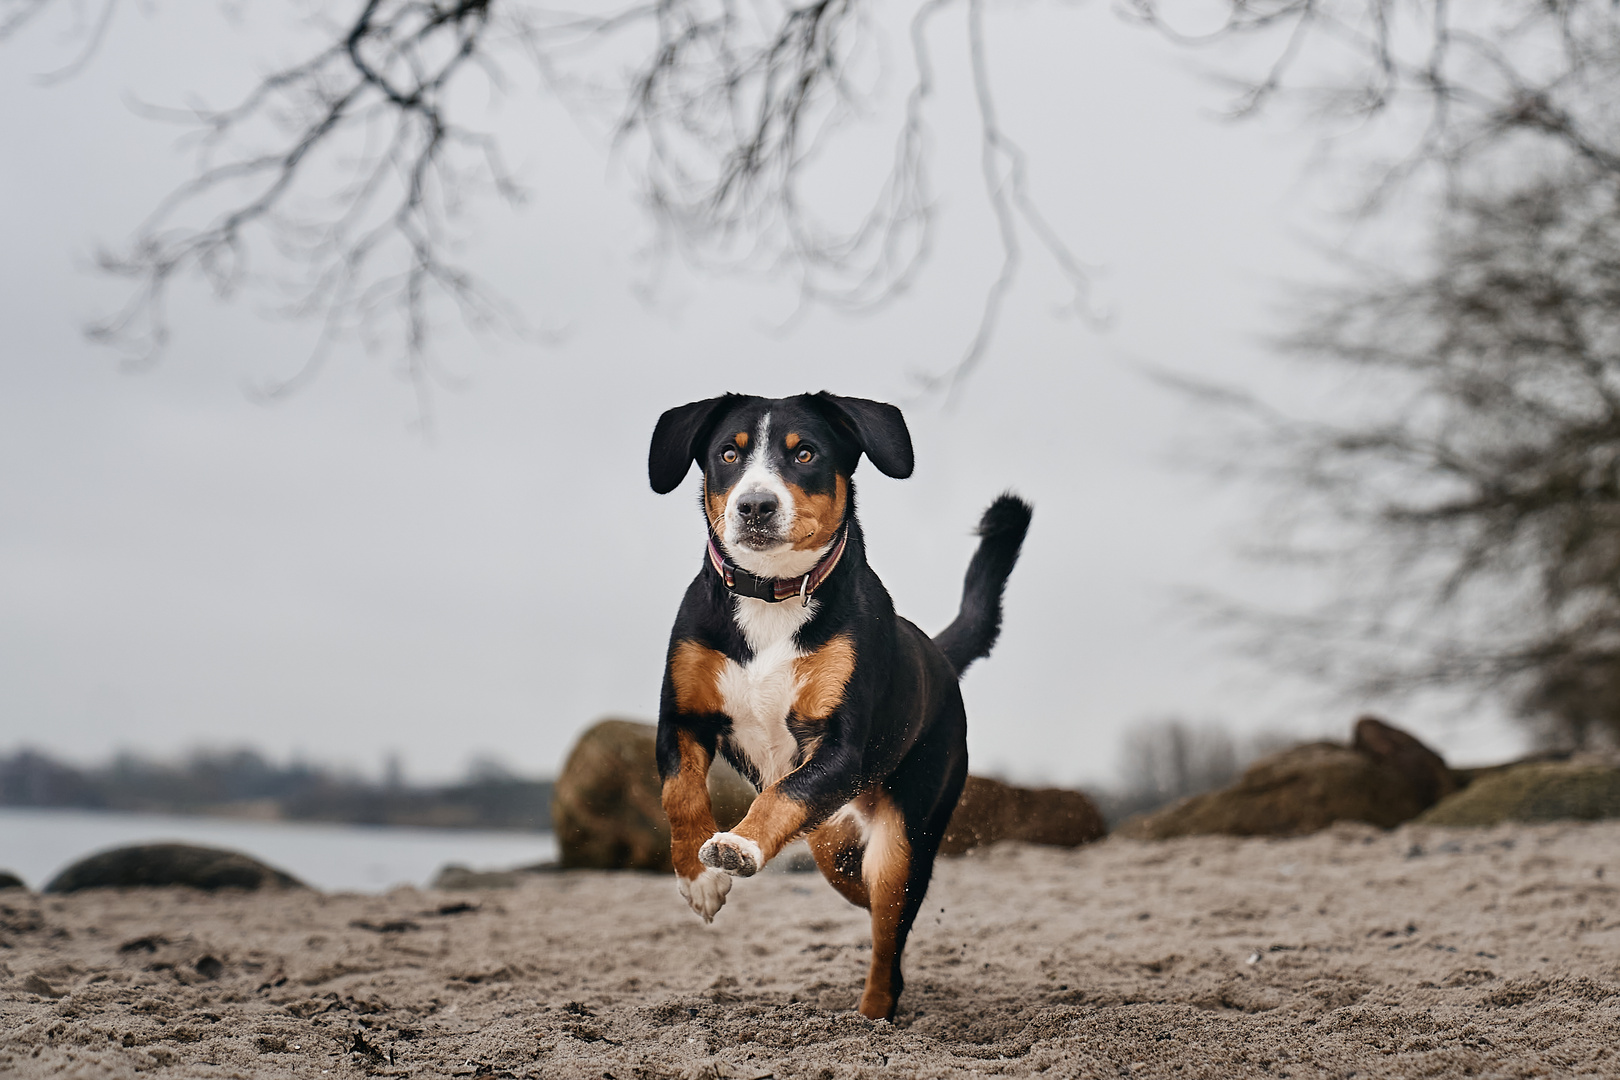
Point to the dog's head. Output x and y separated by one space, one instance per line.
776 471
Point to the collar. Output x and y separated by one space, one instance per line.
775 590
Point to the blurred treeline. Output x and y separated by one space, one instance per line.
244 783
1161 761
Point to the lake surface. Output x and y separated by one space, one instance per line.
35 844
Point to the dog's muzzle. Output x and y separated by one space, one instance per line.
755 514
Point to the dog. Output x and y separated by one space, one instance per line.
787 659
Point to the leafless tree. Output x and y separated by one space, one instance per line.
1166 759
348 170
1437 85
1466 478
1481 494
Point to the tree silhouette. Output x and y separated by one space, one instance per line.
1464 478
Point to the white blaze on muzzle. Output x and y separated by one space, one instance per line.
760 475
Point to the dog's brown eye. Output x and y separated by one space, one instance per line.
805 455
729 455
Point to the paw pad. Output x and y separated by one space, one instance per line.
732 853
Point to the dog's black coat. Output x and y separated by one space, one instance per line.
898 731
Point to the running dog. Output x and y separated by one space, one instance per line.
787 658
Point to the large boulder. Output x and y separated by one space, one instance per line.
1531 792
607 808
990 811
1289 793
8 880
170 864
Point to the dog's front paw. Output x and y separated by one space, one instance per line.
732 853
706 893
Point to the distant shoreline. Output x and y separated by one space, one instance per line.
37 842
244 785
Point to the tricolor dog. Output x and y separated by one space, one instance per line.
787 658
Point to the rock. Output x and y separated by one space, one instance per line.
170 864
1296 791
1537 791
1425 770
8 880
607 809
990 811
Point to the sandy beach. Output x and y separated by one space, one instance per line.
1352 953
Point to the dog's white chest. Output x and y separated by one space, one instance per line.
759 695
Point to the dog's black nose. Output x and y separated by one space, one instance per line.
755 507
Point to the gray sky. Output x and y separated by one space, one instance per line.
181 565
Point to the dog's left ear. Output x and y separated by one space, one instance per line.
877 429
677 440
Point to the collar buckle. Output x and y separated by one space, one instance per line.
743 583
774 590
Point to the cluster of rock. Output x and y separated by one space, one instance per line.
608 815
1384 777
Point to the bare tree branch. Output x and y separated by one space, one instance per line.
1472 80
335 181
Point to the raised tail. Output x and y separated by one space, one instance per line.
978 622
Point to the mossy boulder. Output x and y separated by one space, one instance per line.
989 811
1296 791
1537 791
154 865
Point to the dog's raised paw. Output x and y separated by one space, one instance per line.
706 893
734 854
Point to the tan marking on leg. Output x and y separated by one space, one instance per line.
695 670
817 517
686 804
792 440
773 822
820 677
885 870
835 837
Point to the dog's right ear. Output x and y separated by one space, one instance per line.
677 441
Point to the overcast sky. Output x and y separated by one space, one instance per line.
182 565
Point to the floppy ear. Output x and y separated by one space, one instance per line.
877 428
676 442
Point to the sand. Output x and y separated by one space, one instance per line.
1353 953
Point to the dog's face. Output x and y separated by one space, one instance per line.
775 483
776 471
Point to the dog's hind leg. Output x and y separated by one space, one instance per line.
840 847
899 862
864 853
886 870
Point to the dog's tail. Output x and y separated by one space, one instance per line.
978 622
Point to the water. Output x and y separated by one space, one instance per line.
35 844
